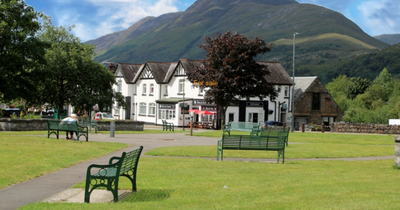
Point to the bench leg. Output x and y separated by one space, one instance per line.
220 152
281 153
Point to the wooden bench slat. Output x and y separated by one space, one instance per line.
55 126
269 139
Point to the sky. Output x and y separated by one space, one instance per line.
96 18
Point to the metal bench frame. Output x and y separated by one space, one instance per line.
108 175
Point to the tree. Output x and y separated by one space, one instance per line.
385 80
20 50
72 76
337 88
230 71
359 86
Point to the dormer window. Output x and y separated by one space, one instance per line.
181 71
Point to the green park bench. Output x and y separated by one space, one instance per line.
167 126
55 126
108 175
86 121
240 126
267 139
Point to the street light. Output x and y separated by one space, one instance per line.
294 47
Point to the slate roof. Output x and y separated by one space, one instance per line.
159 70
128 71
170 72
301 86
190 65
277 75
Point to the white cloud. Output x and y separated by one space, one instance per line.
380 17
108 16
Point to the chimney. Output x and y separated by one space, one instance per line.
111 68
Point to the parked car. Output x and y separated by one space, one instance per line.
274 123
7 112
104 116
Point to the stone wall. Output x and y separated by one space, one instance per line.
365 128
7 124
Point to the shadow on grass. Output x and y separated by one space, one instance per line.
148 195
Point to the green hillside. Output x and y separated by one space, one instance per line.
325 36
369 65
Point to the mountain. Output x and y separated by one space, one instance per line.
325 36
369 65
389 38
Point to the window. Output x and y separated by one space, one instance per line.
279 89
231 117
161 114
166 114
315 101
151 89
181 70
119 88
286 91
181 86
142 108
253 117
144 89
152 109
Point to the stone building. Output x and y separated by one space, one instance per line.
313 103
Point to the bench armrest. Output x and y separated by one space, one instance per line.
113 159
100 167
82 128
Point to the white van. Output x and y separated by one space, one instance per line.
104 116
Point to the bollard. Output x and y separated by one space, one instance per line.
323 128
397 151
302 128
112 128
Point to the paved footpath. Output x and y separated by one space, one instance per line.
46 186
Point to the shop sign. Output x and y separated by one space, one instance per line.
166 106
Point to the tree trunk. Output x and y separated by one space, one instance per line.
223 116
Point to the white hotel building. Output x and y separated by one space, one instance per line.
156 91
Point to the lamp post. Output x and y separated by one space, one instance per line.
183 109
294 47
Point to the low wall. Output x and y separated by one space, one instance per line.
121 125
7 124
365 128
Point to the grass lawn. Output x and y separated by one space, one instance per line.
33 156
301 145
195 183
170 183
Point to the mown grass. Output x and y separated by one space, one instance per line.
301 145
25 157
171 183
195 183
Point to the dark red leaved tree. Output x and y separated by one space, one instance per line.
230 71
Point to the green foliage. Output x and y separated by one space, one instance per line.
30 116
21 52
72 77
358 86
378 103
385 81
